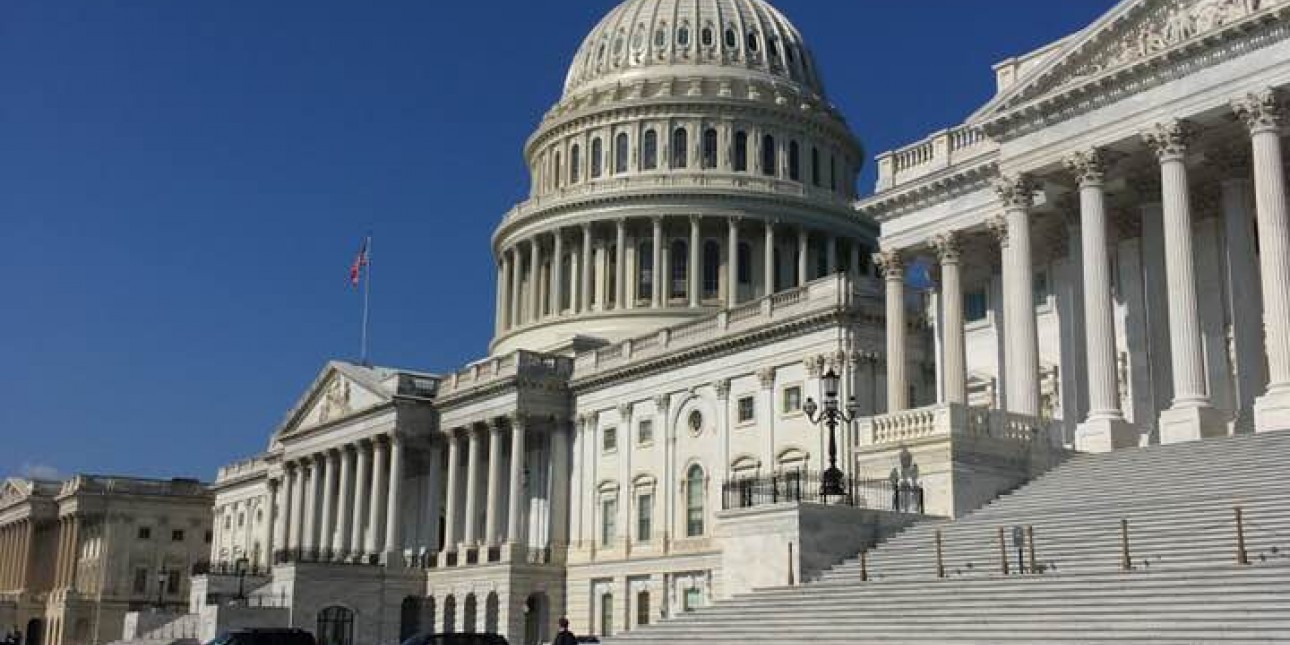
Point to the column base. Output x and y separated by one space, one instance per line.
1191 423
1106 435
1272 410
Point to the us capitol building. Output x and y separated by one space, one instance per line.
1108 252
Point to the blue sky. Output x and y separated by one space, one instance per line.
184 184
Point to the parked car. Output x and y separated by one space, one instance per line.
270 636
456 639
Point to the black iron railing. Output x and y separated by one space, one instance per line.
804 486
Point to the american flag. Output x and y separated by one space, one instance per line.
360 261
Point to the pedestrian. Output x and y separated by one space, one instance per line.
565 637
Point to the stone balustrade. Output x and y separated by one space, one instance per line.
953 419
518 363
940 150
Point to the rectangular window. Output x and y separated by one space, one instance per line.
172 582
607 615
140 580
642 608
792 399
644 517
747 409
645 432
608 521
178 535
1041 288
145 533
693 599
611 439
975 305
210 535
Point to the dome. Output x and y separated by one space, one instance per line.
739 36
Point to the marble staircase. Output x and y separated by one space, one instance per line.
1070 581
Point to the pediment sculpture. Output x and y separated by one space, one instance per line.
335 401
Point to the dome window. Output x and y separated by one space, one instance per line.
815 166
575 164
741 151
769 156
597 157
618 46
794 161
731 41
638 39
710 148
788 53
680 147
649 150
621 150
773 47
711 290
706 36
680 269
683 37
660 37
753 42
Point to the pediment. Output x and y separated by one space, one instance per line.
14 490
1133 33
341 390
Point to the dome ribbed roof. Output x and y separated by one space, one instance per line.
642 37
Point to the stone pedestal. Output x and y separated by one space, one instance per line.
1105 435
1191 423
1272 411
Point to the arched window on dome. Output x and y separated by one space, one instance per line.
621 150
710 148
754 41
732 40
597 157
833 173
649 150
794 161
680 268
769 156
680 147
815 166
558 177
741 151
694 501
706 36
683 37
711 269
660 36
575 164
772 48
645 277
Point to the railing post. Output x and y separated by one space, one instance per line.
864 566
940 556
1030 545
1126 563
1241 556
1003 552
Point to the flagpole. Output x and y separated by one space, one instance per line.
367 293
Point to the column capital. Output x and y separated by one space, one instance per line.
661 403
625 412
722 387
948 246
1261 110
997 227
766 377
1169 139
891 263
814 365
1015 191
516 421
1089 166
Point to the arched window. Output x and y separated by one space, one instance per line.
660 37
558 168
815 166
833 173
575 164
450 615
711 269
741 151
621 150
645 260
335 626
769 156
731 41
794 161
469 613
491 608
680 147
694 494
680 265
710 148
706 36
772 48
649 150
409 618
597 157
744 268
753 41
683 37
611 283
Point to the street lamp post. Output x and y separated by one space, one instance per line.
162 575
831 415
240 568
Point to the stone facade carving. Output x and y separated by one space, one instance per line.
335 401
997 227
890 263
1261 110
1015 191
947 247
1088 166
1169 139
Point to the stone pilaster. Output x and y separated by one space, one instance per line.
1105 428
1190 416
892 265
1263 112
1021 336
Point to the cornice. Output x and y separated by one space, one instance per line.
933 189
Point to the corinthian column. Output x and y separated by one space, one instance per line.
515 312
892 266
732 263
452 496
952 342
377 502
472 488
503 293
768 259
492 508
344 498
657 295
584 289
1105 429
535 278
1263 113
1191 416
695 275
296 528
313 495
515 531
362 492
1021 343
557 276
327 530
394 504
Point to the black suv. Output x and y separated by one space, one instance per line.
456 639
264 637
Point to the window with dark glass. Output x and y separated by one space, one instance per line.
975 305
815 166
769 156
680 268
649 150
178 535
145 533
644 517
683 37
608 521
741 151
710 148
744 266
642 608
610 440
645 432
711 269
731 40
597 157
558 169
575 164
707 36
747 409
753 41
792 399
645 260
140 580
612 286
621 151
694 503
680 147
794 161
